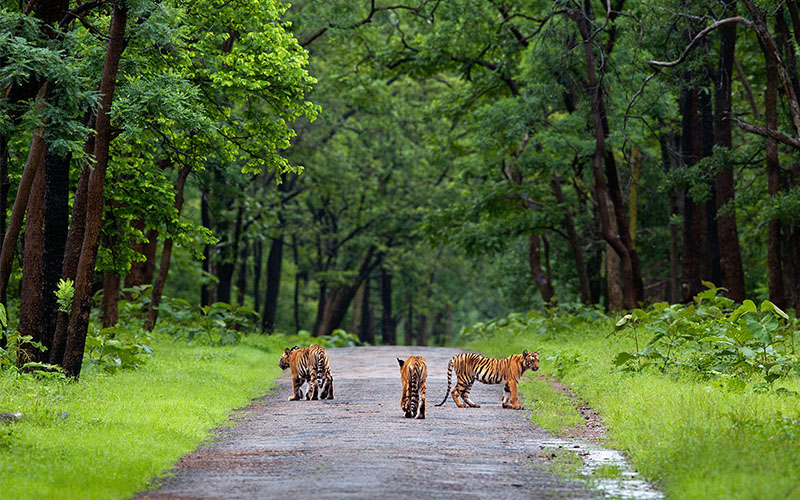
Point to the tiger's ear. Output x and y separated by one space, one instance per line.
401 362
525 353
286 351
536 354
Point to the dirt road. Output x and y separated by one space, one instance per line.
360 446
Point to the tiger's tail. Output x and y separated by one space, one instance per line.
449 379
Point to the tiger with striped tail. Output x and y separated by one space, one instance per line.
310 364
413 374
470 366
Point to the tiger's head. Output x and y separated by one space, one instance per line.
284 362
530 360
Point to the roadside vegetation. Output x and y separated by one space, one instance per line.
144 400
679 391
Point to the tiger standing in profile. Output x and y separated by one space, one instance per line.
310 364
471 366
413 374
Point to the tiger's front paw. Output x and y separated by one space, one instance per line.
294 398
518 407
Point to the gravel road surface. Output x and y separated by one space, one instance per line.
359 446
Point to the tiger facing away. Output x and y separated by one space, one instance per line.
413 374
471 366
310 364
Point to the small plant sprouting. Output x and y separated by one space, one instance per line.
64 294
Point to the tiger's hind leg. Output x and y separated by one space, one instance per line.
297 389
465 396
313 388
506 396
421 412
327 388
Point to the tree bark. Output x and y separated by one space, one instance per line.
72 249
56 224
728 234
110 299
82 303
541 277
388 324
777 293
166 254
409 327
36 156
141 272
241 280
574 241
5 184
258 256
365 331
274 267
205 218
31 287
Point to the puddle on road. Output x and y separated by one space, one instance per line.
606 470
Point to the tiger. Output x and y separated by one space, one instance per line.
310 364
471 366
413 374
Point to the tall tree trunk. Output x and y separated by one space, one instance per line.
36 156
728 234
422 329
355 315
141 272
82 303
258 256
56 224
388 324
274 267
227 261
297 275
694 239
110 299
573 239
205 218
321 305
166 254
777 293
409 326
616 301
5 184
606 182
241 281
31 287
69 265
711 245
365 330
541 278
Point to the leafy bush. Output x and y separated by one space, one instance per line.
17 356
111 349
712 338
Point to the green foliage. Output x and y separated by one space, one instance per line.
215 324
115 348
64 294
712 338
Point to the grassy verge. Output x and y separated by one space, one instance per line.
108 435
696 439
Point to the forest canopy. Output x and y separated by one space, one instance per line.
392 169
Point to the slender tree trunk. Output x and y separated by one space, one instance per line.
365 332
355 315
82 303
5 185
616 301
274 267
388 324
227 261
422 329
166 254
258 256
72 249
573 239
321 305
297 280
241 281
205 217
711 264
777 293
409 327
35 160
541 278
31 287
141 273
694 214
728 234
56 224
110 299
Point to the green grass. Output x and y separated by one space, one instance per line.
122 430
552 410
696 439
